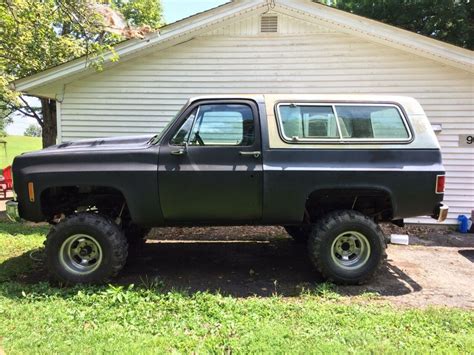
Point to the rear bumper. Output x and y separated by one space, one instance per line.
12 211
441 212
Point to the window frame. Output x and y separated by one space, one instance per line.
181 125
252 105
220 144
341 139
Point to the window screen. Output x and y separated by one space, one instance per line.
382 122
308 121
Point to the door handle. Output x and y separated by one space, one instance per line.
255 154
178 152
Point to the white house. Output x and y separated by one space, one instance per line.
265 46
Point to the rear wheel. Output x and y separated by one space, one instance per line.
85 248
299 233
347 247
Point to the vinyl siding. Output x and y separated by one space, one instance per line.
141 96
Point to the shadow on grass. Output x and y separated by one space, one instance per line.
23 268
264 264
232 268
246 268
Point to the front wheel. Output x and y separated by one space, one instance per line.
85 248
347 247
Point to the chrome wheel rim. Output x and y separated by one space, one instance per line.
350 250
80 254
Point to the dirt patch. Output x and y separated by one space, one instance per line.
422 231
236 233
423 276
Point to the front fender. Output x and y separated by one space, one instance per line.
133 174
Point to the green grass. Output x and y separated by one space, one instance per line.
38 318
17 145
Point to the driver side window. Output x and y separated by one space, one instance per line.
217 125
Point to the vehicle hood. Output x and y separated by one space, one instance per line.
99 144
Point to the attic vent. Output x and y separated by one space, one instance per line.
269 24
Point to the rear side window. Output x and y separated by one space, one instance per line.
341 122
371 122
308 122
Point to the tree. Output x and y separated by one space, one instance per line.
140 13
36 35
4 121
446 20
33 130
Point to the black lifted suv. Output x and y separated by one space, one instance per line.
327 168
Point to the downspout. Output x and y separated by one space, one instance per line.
59 100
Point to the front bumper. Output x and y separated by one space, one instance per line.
12 211
441 212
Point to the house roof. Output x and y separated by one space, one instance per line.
185 29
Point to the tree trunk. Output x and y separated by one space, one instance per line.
49 127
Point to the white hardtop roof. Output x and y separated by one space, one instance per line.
186 29
409 104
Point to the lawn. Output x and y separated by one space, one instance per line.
17 145
144 318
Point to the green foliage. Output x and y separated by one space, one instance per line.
39 318
33 130
32 41
140 12
36 35
4 120
447 20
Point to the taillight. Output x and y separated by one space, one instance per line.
440 182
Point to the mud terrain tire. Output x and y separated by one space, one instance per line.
347 247
85 248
